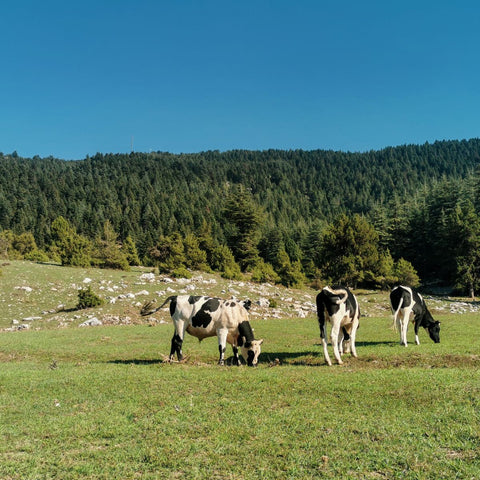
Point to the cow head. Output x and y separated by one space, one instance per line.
251 351
434 331
250 348
247 304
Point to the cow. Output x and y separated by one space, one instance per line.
339 306
205 317
404 301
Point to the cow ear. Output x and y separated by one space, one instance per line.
260 341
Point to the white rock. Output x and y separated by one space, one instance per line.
147 277
262 302
92 322
25 289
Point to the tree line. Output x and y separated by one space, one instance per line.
289 216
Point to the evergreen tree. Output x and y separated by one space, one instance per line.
169 253
290 272
405 274
7 251
195 257
72 249
222 260
130 251
350 251
468 253
245 217
108 253
264 273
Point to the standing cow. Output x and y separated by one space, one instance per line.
339 306
205 317
404 301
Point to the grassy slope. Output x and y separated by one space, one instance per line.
100 403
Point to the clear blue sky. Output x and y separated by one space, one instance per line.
80 77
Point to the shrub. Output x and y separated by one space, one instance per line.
38 256
264 272
181 272
272 303
88 299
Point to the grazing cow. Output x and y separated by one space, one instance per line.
340 307
205 317
404 301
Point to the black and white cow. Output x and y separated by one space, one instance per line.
404 301
339 306
205 317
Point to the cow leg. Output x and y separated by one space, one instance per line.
342 336
177 341
236 359
335 335
323 336
345 343
176 347
222 344
353 334
402 324
417 327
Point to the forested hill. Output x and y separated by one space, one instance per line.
145 195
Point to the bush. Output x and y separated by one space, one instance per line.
264 272
232 273
272 303
38 256
181 272
88 299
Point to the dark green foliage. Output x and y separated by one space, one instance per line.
169 253
129 249
261 204
88 299
264 273
349 251
244 218
73 249
195 257
107 251
468 250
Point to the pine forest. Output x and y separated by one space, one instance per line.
402 214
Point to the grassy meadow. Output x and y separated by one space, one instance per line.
100 402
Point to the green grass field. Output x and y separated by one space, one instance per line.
100 403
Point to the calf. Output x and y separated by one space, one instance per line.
340 307
205 317
404 301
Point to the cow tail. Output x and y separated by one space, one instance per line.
343 292
395 313
321 314
147 307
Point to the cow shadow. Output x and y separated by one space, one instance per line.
137 361
373 344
